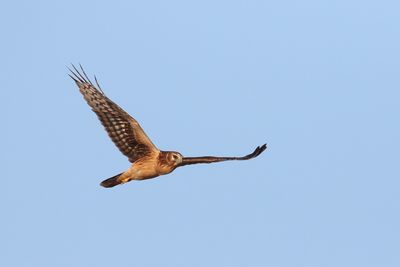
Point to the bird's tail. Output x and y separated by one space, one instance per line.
113 181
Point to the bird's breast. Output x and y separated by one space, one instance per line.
143 170
164 169
149 168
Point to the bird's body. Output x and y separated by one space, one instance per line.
149 167
147 160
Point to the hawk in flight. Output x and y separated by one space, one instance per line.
147 160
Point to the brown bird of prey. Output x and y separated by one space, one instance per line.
147 160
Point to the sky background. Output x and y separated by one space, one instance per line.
316 80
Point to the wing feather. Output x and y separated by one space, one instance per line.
123 130
211 159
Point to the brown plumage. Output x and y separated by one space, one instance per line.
126 133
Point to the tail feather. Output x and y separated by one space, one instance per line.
111 182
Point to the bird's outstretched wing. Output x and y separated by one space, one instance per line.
210 159
124 130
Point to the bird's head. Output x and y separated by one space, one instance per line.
174 158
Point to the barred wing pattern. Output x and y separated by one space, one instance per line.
123 130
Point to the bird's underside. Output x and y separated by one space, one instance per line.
147 160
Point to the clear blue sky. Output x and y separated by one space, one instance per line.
317 80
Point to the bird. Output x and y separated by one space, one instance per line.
147 160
